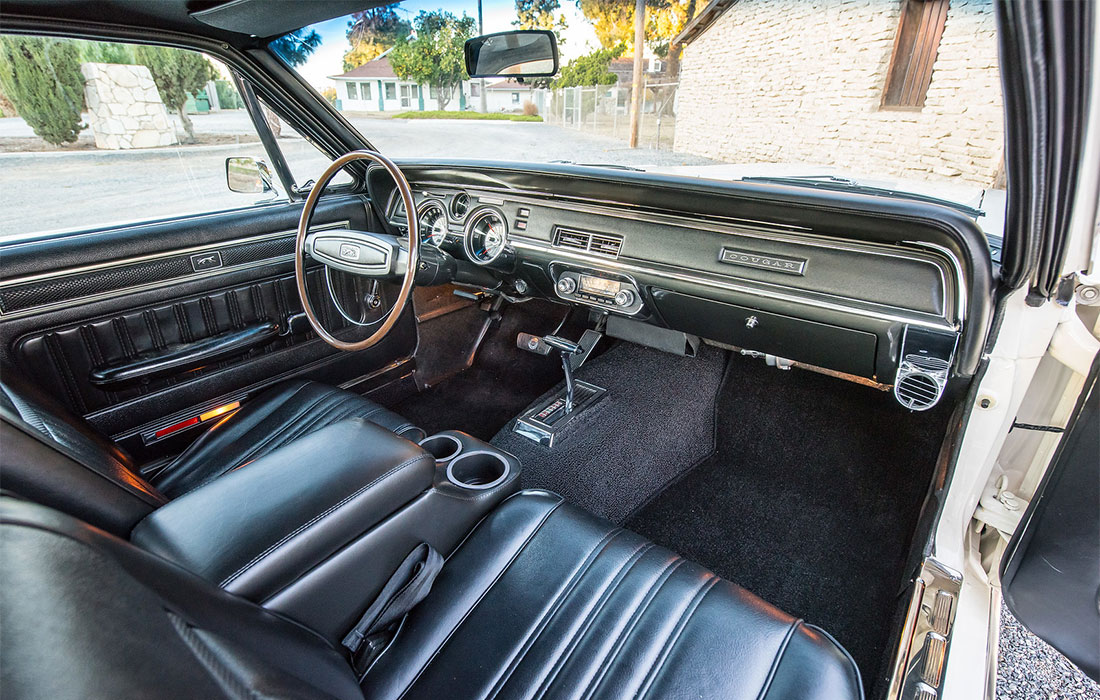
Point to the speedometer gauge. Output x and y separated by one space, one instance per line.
433 223
486 236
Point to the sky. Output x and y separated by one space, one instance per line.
498 16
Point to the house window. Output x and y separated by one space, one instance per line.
353 94
475 89
515 98
433 92
915 48
364 89
391 91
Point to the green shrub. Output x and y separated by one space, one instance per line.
42 79
227 95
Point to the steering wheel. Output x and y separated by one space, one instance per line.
376 255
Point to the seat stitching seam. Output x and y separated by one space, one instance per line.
319 517
778 659
484 593
670 643
605 597
637 616
544 624
555 607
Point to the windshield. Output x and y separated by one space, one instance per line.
891 96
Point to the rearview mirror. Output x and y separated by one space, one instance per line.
523 53
248 176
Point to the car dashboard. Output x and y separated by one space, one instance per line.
889 291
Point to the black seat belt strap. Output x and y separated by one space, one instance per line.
407 587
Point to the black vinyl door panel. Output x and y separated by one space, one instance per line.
138 341
1051 571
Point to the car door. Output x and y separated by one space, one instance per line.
149 325
1050 575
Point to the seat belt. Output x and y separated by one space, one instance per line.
408 586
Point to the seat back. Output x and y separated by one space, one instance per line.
89 615
53 457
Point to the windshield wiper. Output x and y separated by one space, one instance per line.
613 166
843 184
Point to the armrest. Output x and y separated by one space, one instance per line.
182 357
258 528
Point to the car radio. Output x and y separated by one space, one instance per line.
593 289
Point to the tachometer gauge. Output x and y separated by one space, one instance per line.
486 236
433 223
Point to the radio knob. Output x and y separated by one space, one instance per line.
567 285
625 297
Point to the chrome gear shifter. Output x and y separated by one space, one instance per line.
567 348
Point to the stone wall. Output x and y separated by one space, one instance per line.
125 108
801 81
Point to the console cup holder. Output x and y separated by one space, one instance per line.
443 447
478 470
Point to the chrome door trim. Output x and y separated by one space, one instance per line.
73 271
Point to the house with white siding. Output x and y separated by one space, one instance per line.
508 96
374 87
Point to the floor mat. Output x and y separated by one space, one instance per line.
501 381
656 421
808 501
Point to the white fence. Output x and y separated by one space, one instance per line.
605 110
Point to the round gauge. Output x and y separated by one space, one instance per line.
486 236
460 205
433 223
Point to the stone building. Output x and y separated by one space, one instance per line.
903 88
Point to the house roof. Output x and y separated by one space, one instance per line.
508 85
702 21
377 68
624 68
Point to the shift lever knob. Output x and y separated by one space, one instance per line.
567 347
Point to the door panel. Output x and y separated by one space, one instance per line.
1051 571
59 327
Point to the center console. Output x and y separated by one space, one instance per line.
314 530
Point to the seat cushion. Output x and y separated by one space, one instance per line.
545 599
275 418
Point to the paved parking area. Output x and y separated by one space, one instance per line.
66 189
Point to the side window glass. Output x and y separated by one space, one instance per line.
99 134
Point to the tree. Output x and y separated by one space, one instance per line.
613 21
296 47
539 14
178 74
106 52
590 69
42 79
371 32
434 57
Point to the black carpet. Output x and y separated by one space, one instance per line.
502 379
809 500
655 422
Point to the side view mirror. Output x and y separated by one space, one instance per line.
248 176
523 53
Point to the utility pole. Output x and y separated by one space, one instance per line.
481 106
639 67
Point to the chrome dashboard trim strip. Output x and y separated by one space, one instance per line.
695 278
72 271
754 229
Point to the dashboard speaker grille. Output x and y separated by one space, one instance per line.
598 243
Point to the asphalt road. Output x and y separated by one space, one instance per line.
83 189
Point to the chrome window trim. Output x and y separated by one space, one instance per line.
692 277
72 271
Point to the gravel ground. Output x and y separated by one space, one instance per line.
1028 668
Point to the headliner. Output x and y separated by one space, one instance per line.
236 22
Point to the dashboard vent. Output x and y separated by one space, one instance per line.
600 244
920 382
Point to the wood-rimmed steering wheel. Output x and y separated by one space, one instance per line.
377 255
